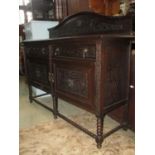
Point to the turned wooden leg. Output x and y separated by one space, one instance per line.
99 137
55 106
30 93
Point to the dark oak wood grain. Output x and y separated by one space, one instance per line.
91 71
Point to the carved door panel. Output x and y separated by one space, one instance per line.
74 82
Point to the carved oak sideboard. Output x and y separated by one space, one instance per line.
85 62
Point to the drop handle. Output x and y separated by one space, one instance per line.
43 50
85 51
56 51
132 86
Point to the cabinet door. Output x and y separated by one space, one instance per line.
74 82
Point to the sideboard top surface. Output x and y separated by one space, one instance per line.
85 37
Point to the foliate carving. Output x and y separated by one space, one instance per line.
87 51
37 52
72 81
91 23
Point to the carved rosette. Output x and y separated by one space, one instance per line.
72 81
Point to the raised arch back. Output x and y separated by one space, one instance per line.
87 23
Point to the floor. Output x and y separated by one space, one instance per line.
41 134
31 114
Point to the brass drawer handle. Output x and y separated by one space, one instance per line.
85 51
56 51
43 50
132 86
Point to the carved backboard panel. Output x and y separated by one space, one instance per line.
86 23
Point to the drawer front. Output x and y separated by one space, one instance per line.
37 52
75 51
74 82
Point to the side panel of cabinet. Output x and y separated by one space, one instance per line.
118 113
116 78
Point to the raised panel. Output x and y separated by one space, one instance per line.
117 71
75 82
72 81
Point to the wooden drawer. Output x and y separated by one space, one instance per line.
37 52
75 51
